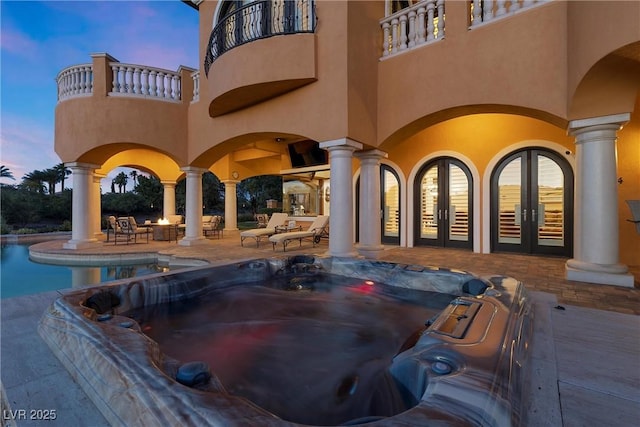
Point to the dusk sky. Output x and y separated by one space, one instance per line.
38 39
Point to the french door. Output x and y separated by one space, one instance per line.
390 206
532 204
390 198
444 204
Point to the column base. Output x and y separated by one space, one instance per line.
231 229
370 251
193 241
81 244
616 275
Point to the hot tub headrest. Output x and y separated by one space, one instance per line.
103 301
474 287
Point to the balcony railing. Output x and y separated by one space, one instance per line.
127 80
75 81
424 22
146 82
258 20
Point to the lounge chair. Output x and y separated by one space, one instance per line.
314 232
262 219
129 228
276 219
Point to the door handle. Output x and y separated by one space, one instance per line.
524 214
533 215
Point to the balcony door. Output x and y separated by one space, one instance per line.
444 204
532 204
390 206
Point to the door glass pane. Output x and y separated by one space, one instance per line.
458 204
509 217
429 204
550 211
391 204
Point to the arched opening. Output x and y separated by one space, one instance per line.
443 191
532 203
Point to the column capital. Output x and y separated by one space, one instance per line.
81 166
230 181
371 155
613 122
194 170
168 183
342 143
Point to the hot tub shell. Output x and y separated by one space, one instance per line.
467 368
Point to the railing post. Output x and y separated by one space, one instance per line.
102 73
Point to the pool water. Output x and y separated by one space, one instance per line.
311 350
20 276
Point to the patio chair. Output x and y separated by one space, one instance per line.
213 225
263 220
177 219
276 219
129 228
113 227
314 232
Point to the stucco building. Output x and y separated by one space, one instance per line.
486 125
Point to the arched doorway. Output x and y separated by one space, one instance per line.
532 203
443 192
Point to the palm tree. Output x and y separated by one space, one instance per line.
34 181
121 181
63 173
6 173
51 177
134 175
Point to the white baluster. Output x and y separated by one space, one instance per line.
144 81
527 3
440 19
514 6
403 32
129 79
412 29
394 35
196 86
477 13
122 78
90 76
161 93
501 7
385 39
114 83
136 80
430 26
175 83
421 27
488 11
152 83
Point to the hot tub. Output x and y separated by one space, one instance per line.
299 341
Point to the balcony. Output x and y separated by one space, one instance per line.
424 22
259 20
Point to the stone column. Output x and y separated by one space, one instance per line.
596 248
97 205
193 209
230 205
341 218
370 236
82 228
168 198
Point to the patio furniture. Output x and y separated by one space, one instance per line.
179 220
262 219
212 225
112 227
129 228
276 219
314 232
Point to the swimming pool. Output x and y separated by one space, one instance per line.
20 276
299 341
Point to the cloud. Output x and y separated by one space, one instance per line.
19 44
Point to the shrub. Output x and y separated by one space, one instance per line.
26 231
66 225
